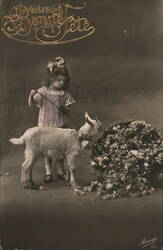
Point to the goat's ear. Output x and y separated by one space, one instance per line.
86 115
89 122
88 119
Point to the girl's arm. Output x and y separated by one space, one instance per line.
35 97
30 98
69 100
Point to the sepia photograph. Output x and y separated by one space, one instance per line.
81 124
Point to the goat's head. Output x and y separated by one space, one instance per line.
89 131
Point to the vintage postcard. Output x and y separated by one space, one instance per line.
81 124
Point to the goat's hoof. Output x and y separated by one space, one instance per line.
42 188
75 186
30 185
78 191
26 186
35 187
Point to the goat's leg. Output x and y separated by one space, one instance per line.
60 166
26 172
64 169
73 183
23 173
32 183
71 167
60 169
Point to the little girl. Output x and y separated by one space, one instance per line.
54 102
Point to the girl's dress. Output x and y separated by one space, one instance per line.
49 114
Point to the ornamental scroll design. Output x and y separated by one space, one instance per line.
46 25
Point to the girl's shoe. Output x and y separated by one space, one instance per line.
48 178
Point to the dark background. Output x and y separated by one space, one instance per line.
116 74
118 69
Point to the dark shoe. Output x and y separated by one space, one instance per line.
48 178
61 177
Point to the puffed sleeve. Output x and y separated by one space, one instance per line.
69 100
37 97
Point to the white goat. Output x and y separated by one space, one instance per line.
55 142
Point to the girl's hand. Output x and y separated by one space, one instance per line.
33 92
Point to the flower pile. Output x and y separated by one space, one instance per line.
125 159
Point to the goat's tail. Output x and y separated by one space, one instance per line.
17 140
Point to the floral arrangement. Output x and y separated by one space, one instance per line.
125 159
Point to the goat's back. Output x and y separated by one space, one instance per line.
52 138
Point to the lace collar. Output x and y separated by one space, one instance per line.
55 92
